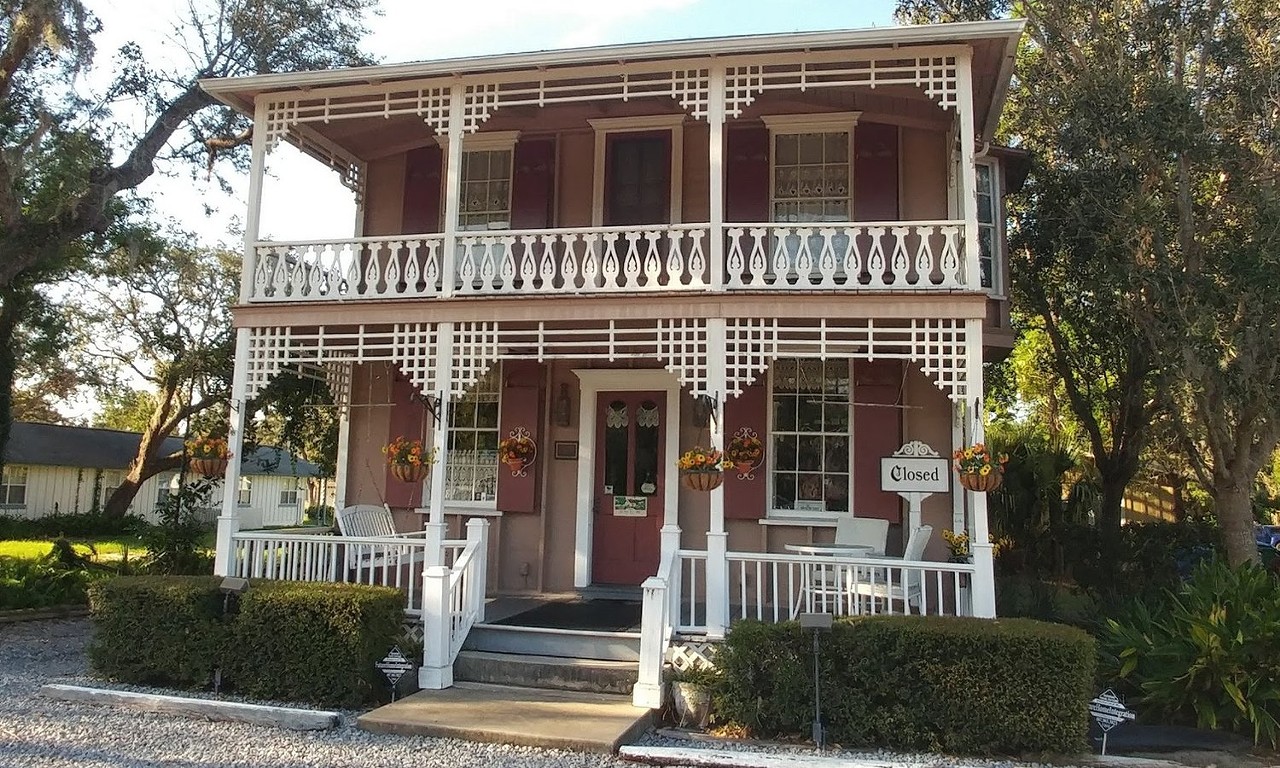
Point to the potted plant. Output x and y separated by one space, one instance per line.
958 543
208 456
977 469
517 451
745 451
702 469
691 690
408 460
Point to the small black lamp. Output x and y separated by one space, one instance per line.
563 411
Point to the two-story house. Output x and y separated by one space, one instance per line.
619 253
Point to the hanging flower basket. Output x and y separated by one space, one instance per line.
701 481
409 473
981 483
209 468
518 451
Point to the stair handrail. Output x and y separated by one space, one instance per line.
453 604
656 626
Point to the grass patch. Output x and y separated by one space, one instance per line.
100 549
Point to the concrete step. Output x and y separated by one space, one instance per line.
567 643
590 722
555 672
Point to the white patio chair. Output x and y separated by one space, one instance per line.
868 531
892 584
374 520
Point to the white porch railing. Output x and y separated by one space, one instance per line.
870 256
778 587
659 607
380 561
454 603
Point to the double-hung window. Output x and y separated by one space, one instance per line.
811 435
472 471
244 497
484 196
13 487
811 180
289 497
988 234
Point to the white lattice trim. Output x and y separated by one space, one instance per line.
682 348
475 350
935 75
685 654
938 345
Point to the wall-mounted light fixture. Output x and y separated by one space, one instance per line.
563 411
703 405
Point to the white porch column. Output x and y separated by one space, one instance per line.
341 471
436 672
715 154
717 536
984 577
452 194
229 520
435 526
968 172
257 170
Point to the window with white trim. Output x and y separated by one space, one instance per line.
472 471
244 496
110 482
988 234
486 190
810 436
13 487
811 160
166 485
288 497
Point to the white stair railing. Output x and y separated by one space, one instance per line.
453 604
656 611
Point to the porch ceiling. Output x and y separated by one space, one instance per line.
993 44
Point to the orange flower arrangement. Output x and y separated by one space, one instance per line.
411 452
699 459
208 448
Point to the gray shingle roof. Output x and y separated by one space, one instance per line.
63 446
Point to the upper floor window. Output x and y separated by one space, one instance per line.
988 234
486 190
472 471
812 171
811 435
13 487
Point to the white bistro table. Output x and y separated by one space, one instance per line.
825 588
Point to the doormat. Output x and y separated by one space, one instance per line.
597 615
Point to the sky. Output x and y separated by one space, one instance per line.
303 200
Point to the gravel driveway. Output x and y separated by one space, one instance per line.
38 732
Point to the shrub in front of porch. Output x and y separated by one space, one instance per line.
955 685
157 630
313 642
286 641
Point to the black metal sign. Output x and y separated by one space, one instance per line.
1108 710
394 666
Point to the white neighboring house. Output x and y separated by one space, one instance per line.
54 469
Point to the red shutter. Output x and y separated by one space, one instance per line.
421 191
877 432
875 172
745 499
746 176
407 417
533 183
521 407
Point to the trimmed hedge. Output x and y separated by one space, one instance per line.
314 642
287 640
954 685
158 630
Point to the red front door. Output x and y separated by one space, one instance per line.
630 478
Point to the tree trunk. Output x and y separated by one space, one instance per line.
1233 502
117 505
11 311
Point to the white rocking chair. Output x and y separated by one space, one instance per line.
896 583
375 520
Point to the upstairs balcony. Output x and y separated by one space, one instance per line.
583 261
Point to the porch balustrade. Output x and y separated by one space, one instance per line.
871 256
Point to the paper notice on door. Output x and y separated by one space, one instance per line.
630 506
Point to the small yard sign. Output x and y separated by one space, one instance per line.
1109 711
393 666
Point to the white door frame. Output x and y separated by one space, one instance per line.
593 381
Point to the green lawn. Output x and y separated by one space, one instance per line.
107 548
